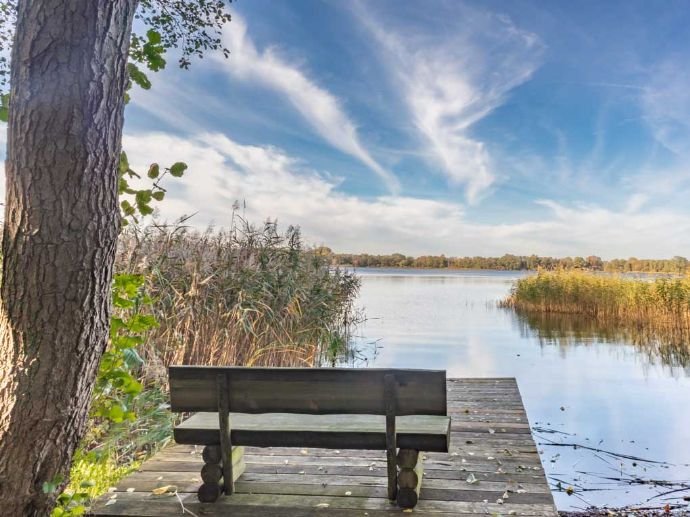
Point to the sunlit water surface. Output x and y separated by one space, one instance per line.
595 384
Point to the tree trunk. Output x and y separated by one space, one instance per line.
68 78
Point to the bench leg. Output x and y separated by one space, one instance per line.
212 471
410 477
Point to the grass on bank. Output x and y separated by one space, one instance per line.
661 303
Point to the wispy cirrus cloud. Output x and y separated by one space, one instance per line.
664 102
319 108
453 74
666 106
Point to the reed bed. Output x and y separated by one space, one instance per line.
661 303
244 296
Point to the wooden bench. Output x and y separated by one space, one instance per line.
399 411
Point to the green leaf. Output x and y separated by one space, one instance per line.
145 209
154 170
153 36
122 185
177 169
143 197
132 358
50 486
158 196
116 324
138 76
4 107
116 414
124 163
127 208
132 388
128 283
142 323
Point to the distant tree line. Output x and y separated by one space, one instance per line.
509 262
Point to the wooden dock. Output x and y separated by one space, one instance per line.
493 469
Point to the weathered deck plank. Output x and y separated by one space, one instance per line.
490 440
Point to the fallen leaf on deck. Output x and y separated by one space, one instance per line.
471 479
163 489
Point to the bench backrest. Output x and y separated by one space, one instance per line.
307 390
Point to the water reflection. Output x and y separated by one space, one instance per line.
669 348
619 389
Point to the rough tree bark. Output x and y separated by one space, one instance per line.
68 78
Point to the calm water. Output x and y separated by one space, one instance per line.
617 393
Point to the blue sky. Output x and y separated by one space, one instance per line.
464 128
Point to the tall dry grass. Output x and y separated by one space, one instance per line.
243 296
662 303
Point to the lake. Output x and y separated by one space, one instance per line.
609 389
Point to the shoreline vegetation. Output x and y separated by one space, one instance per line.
676 265
661 304
247 296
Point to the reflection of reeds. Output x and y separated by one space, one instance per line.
240 297
670 347
662 303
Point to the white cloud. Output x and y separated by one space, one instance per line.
451 82
276 185
321 109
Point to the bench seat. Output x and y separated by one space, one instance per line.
421 432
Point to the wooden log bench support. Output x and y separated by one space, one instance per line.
212 471
398 411
410 475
